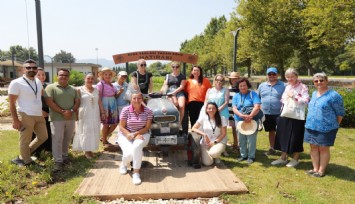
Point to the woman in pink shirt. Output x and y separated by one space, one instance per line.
135 122
107 93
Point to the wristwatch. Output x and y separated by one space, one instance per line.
71 110
215 142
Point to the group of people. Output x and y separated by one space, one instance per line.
50 111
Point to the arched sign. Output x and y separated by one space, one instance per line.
155 55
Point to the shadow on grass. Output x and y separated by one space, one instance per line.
339 171
78 167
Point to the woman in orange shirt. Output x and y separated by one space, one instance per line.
196 88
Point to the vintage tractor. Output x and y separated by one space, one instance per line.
166 132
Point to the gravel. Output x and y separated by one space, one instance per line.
214 200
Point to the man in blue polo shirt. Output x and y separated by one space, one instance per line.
270 93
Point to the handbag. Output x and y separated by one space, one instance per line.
293 110
128 93
246 110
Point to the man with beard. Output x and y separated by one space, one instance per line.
63 101
27 91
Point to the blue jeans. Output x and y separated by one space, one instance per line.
247 145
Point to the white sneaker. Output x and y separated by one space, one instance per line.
292 163
217 161
136 179
279 162
123 169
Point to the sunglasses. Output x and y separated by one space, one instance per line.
34 68
271 74
219 80
175 67
317 81
143 65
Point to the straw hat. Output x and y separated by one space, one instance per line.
247 128
234 75
106 69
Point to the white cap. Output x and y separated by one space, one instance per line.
122 73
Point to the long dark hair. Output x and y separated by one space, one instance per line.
200 78
217 116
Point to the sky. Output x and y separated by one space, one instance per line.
111 26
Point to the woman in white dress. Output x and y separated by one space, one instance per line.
87 134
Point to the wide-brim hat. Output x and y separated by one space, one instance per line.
106 69
234 75
247 128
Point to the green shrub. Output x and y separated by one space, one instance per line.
349 104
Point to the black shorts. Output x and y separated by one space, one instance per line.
270 122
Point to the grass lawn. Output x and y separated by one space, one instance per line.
266 183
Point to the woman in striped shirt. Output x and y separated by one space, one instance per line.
135 122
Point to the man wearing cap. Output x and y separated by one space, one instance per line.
121 86
27 91
270 93
63 101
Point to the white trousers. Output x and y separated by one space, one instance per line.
132 150
208 154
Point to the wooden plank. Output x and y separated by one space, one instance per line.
164 177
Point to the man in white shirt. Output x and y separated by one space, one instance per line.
26 91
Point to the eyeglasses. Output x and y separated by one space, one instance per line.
63 75
34 68
318 81
175 67
143 65
271 74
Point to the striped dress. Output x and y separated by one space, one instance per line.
232 92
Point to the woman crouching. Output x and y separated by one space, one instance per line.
133 135
213 132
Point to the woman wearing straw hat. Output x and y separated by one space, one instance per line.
247 130
107 93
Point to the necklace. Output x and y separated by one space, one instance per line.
213 128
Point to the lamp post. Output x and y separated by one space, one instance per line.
97 56
235 34
51 65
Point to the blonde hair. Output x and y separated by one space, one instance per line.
219 75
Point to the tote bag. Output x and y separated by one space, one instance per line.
293 110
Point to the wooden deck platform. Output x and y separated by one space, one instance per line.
163 177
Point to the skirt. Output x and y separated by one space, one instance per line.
111 111
320 138
289 135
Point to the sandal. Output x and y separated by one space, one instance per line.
310 172
318 174
107 144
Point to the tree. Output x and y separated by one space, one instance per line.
76 78
20 53
64 57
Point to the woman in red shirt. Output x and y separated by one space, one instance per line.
196 88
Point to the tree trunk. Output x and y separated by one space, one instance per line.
305 59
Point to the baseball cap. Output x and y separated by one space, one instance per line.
271 69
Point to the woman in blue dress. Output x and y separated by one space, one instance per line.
325 112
